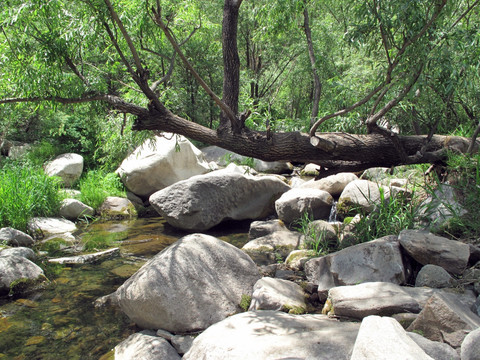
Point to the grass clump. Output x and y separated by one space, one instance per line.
26 192
316 239
245 302
391 215
97 185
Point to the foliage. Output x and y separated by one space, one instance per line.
391 215
245 302
315 239
25 192
96 185
464 172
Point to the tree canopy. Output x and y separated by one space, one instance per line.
344 84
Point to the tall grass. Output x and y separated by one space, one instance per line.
96 185
25 192
390 216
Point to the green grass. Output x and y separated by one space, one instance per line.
390 216
315 239
25 192
96 185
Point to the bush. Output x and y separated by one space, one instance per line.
25 192
96 185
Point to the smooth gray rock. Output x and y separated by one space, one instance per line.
145 345
277 294
19 251
470 349
371 298
293 204
427 248
363 194
157 163
68 167
284 241
377 260
444 315
201 202
14 237
296 259
434 276
333 184
43 227
194 283
14 268
273 335
384 338
436 350
263 228
73 209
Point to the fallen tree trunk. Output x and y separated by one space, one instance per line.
336 152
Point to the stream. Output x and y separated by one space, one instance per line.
60 321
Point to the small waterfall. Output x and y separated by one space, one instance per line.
332 218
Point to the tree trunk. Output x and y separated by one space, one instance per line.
317 85
231 62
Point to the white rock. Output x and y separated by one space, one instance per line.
50 226
14 237
161 162
277 294
333 184
293 204
145 345
362 193
68 167
73 209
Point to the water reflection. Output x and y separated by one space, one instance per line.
61 322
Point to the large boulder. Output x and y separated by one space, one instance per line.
203 201
145 345
293 204
68 167
361 194
192 284
270 335
445 319
470 349
17 274
437 350
333 184
14 237
427 248
161 162
384 338
377 260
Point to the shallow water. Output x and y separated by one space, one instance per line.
61 322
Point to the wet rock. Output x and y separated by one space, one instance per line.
372 298
68 167
44 227
196 282
145 345
384 338
14 237
377 260
201 202
442 316
435 277
333 184
73 209
159 163
470 349
275 335
436 350
117 208
87 258
20 272
293 204
278 294
362 194
427 248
